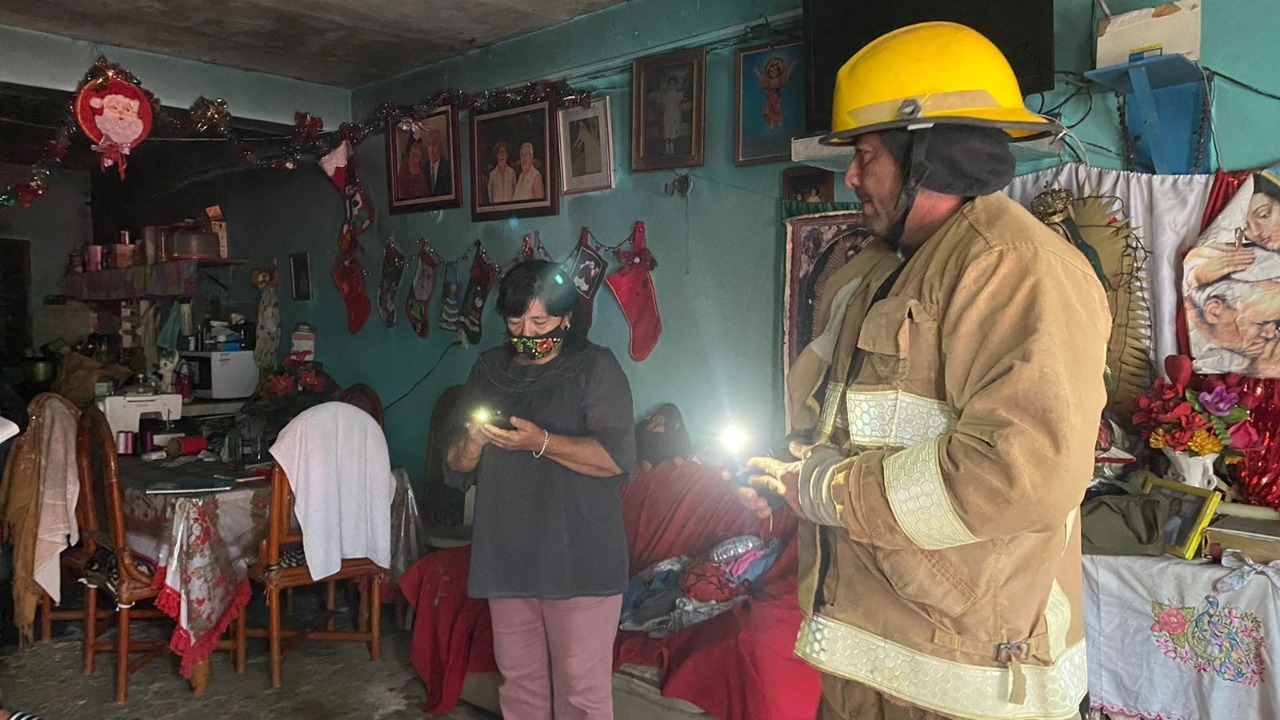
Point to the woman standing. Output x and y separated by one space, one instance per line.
548 548
502 178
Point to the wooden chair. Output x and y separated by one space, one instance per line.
73 561
365 398
112 566
282 566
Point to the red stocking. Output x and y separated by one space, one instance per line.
633 287
350 281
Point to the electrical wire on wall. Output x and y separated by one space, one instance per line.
427 374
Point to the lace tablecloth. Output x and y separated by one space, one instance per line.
1166 644
202 546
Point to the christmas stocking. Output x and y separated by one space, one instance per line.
424 283
349 278
340 166
483 273
451 298
393 262
633 287
586 267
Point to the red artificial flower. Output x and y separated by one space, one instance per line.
1178 368
312 381
1244 436
281 384
1178 438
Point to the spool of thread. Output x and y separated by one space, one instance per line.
192 445
144 442
124 443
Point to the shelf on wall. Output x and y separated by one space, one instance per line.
173 278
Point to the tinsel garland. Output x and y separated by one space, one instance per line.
308 138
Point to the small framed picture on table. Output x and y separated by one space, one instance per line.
1190 511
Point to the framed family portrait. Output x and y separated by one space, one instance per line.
423 163
668 110
768 103
808 184
586 147
1190 511
513 163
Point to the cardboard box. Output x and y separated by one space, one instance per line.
217 226
1168 29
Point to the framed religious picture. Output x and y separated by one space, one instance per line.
300 276
1190 510
423 162
1231 284
668 109
513 163
586 147
769 103
808 184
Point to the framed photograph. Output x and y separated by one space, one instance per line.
423 162
808 184
300 276
668 110
1190 510
513 163
586 147
768 104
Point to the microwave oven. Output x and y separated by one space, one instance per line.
222 375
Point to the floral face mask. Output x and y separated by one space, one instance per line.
537 348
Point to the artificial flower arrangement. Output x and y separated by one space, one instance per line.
1200 416
299 384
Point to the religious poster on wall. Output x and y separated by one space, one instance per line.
1231 284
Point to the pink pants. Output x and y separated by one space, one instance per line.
556 654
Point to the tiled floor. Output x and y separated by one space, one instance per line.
321 680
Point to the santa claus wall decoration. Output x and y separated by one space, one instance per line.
116 116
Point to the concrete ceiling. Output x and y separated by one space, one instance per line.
343 43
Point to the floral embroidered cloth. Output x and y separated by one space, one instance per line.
202 545
1165 644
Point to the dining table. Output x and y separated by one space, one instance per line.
202 543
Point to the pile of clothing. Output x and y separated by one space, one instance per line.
682 591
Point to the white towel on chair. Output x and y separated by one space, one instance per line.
340 472
56 529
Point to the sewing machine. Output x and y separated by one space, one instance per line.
123 411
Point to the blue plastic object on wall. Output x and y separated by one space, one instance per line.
1165 105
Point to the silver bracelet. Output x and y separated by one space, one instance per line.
546 438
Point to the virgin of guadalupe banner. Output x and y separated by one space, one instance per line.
1231 284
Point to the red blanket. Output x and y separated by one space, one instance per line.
669 510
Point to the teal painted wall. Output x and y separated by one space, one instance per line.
718 251
1237 37
57 225
51 61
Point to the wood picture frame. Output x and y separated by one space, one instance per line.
1190 511
768 103
808 184
501 185
424 169
586 147
668 110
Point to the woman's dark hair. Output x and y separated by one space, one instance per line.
502 145
546 281
1266 184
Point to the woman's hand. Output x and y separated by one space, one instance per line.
772 476
1219 263
525 436
476 438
